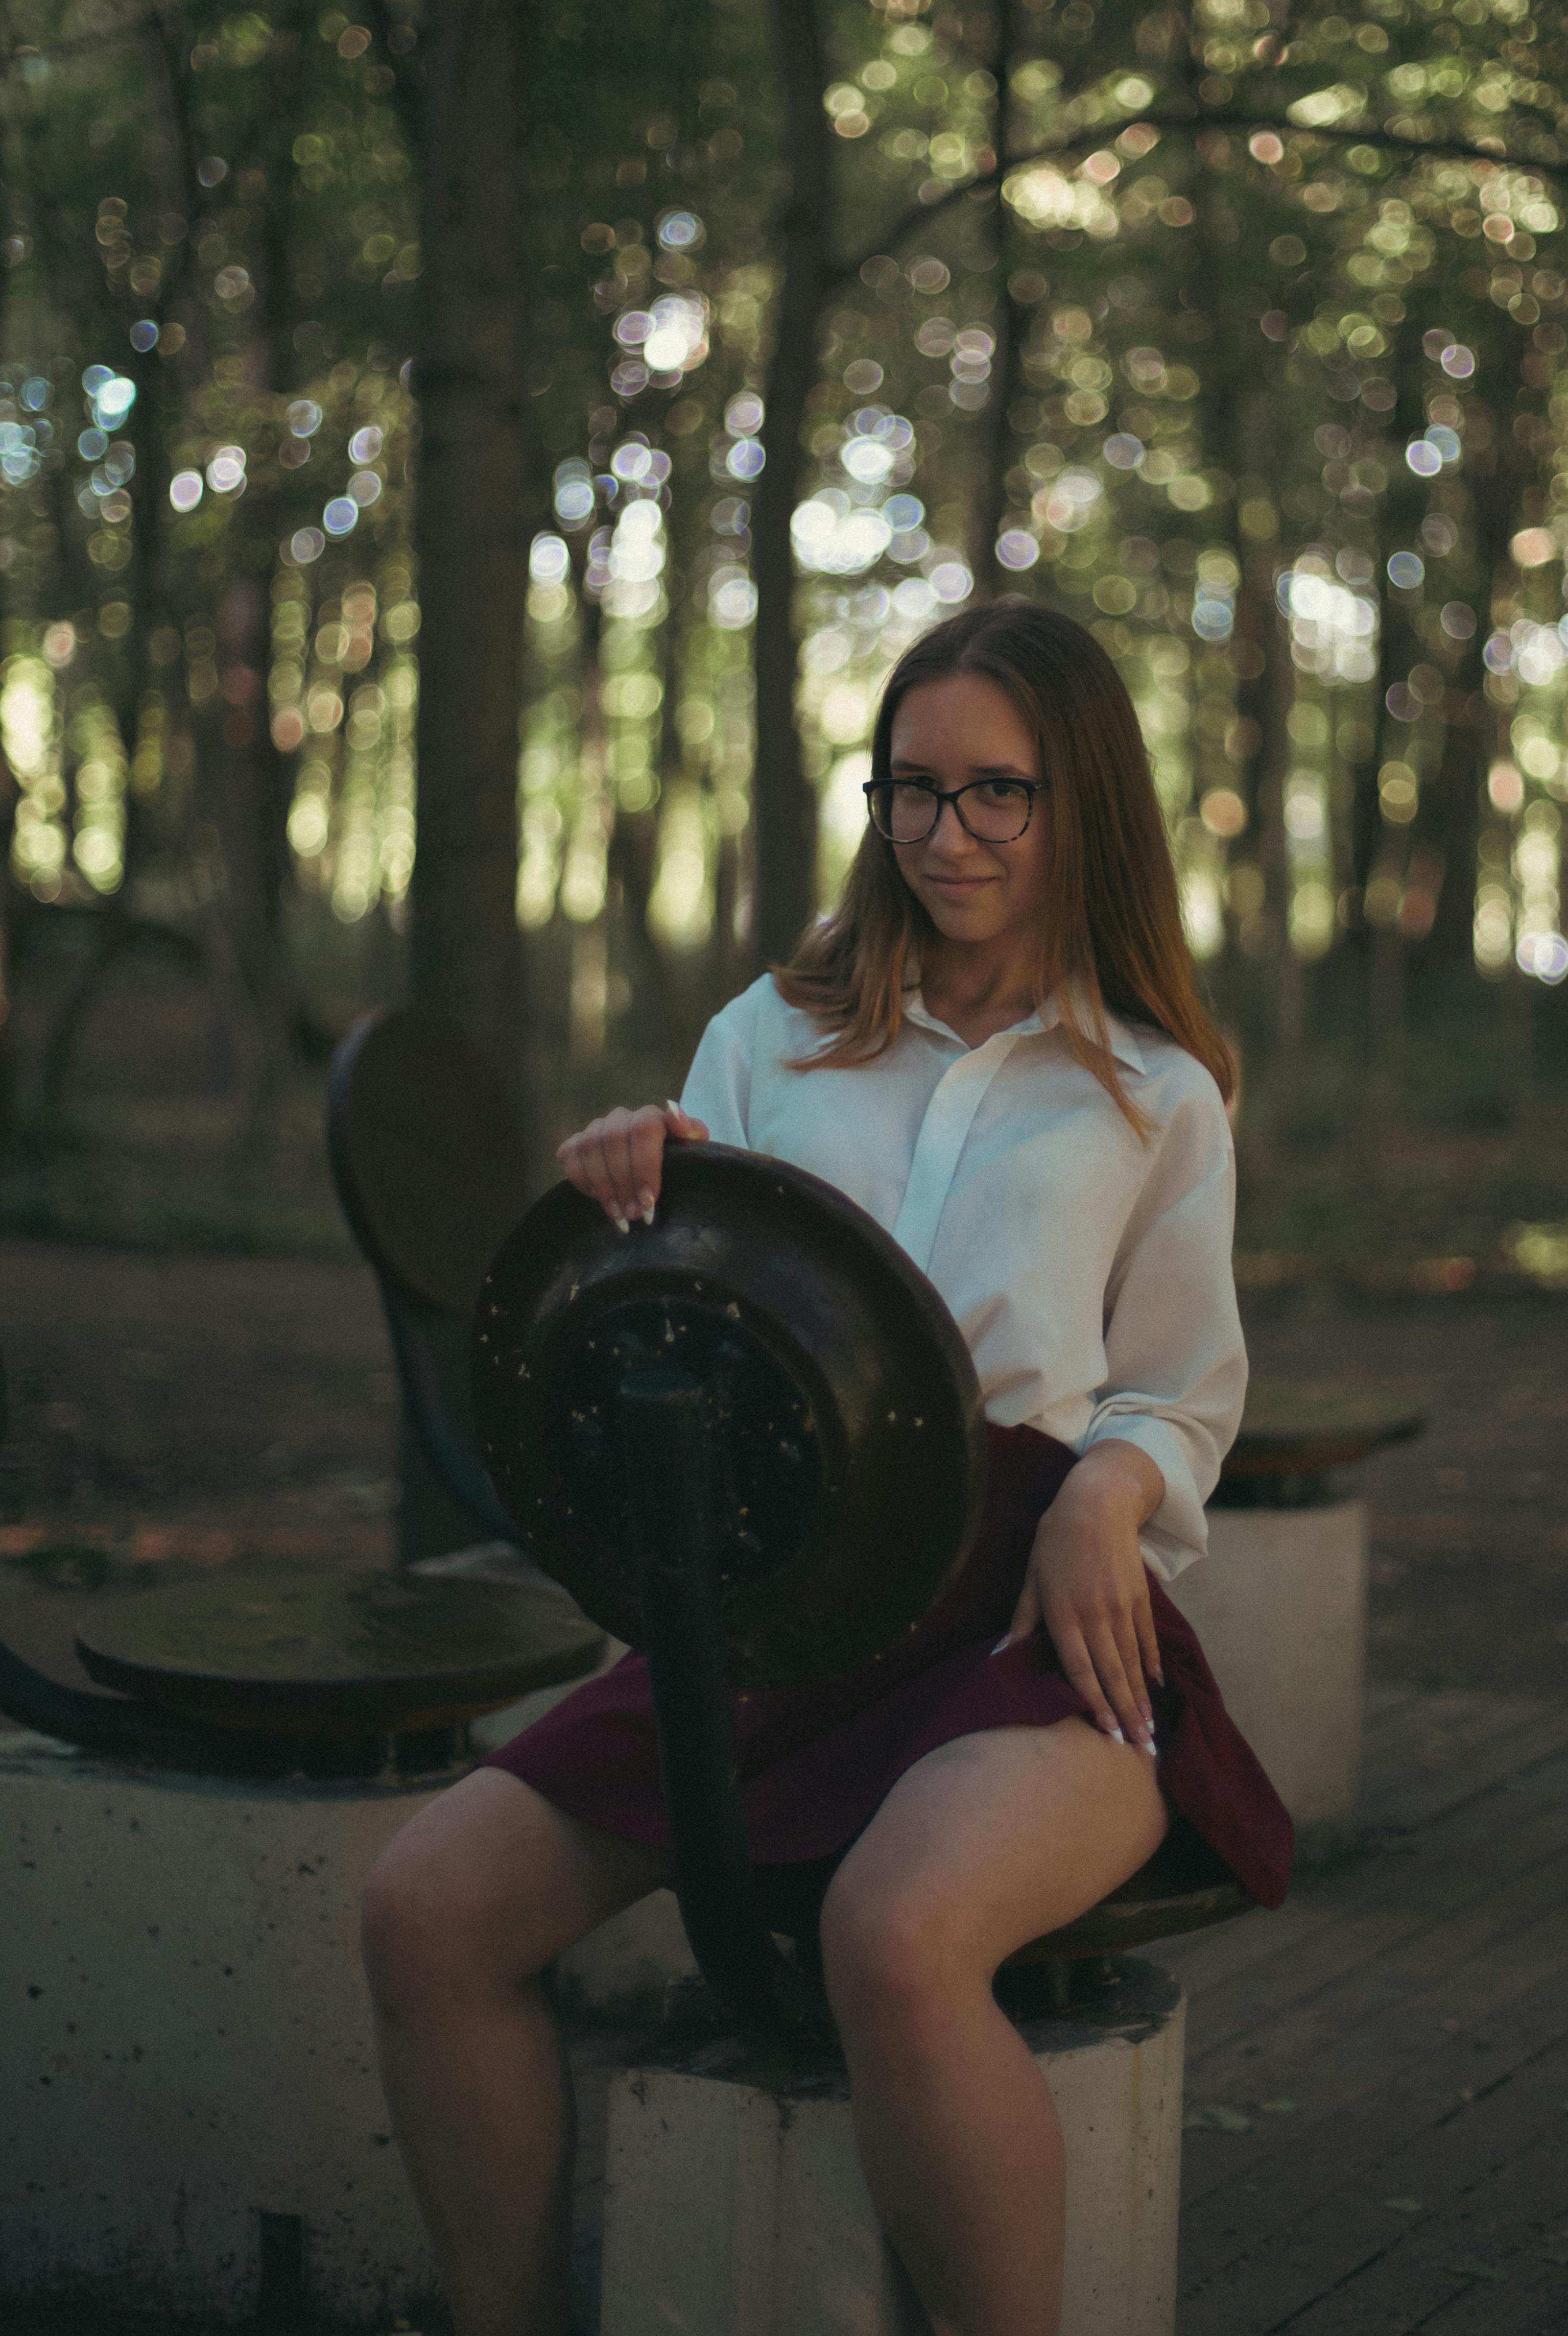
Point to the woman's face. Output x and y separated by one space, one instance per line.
949 732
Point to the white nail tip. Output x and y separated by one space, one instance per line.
647 1214
1116 1734
621 1224
1000 1645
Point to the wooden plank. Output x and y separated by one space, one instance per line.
1355 2042
1302 2015
1215 1959
1493 2183
1535 2304
1452 1760
1414 1958
1343 2069
1280 2237
1386 1699
1442 1714
1308 1935
1387 1903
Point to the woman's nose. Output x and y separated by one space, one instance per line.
950 834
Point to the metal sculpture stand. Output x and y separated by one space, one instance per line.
670 1472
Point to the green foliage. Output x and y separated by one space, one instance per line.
1237 332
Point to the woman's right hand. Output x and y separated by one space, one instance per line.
619 1160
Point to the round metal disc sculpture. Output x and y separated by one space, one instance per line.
842 1439
319 1653
1294 1431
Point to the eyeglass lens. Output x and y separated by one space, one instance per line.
994 810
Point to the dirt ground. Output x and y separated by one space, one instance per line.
169 1412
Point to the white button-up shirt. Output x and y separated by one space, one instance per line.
1088 1270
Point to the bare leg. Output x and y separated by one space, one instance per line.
464 1911
986 1843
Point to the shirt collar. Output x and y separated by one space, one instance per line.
1124 1045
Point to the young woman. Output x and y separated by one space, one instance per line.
997 1046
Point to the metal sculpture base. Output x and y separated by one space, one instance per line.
735 2199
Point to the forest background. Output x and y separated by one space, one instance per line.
464 472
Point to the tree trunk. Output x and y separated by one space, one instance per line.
784 808
472 346
1012 326
1453 806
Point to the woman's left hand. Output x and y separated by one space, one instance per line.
1087 1583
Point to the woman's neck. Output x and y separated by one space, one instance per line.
977 991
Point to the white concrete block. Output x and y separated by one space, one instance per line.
623 1970
735 2205
186 2043
1279 1604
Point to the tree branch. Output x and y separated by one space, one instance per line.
987 181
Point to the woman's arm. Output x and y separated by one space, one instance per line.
1169 1406
1087 1583
1176 1362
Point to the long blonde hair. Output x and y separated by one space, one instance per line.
1111 929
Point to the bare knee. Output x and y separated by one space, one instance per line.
894 1961
432 1936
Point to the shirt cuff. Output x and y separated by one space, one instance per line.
1178 1531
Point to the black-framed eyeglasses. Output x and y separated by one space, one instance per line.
906 811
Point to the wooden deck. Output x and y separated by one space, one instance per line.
1378 2074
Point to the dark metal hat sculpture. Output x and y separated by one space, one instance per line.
838 1407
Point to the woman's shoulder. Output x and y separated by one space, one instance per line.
760 1021
1172 1086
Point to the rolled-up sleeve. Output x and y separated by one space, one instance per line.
1175 1364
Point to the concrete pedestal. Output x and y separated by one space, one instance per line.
190 2118
1280 1606
735 2205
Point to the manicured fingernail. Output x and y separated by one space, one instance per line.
670 1104
1158 1677
1152 1749
1000 1644
1148 1715
1113 1731
645 1203
621 1224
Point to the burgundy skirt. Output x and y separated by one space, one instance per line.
816 1763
